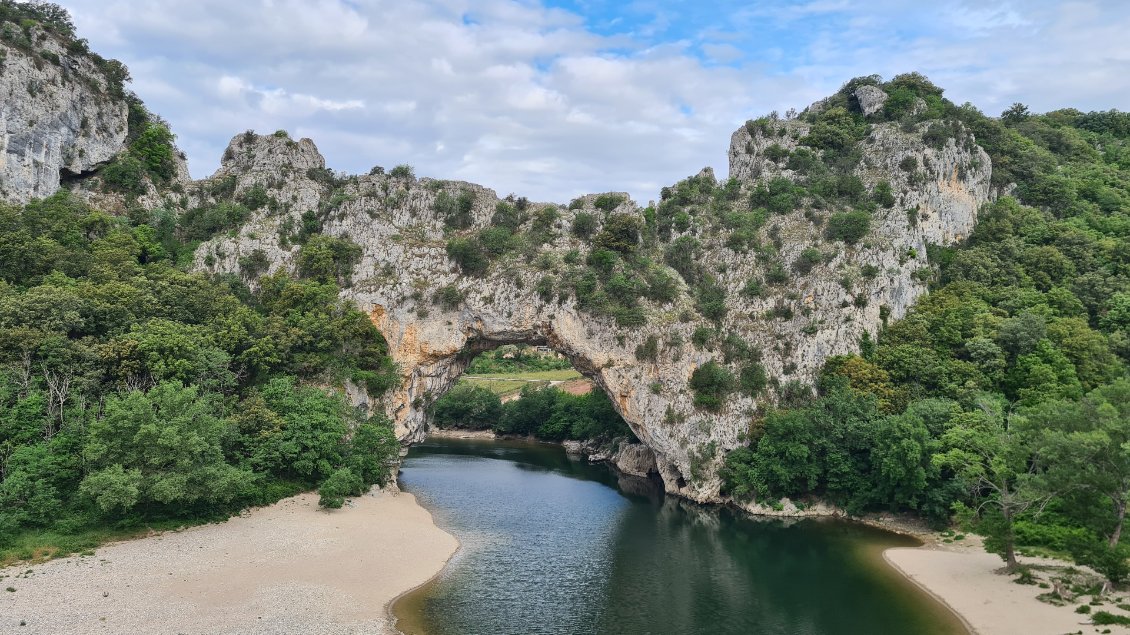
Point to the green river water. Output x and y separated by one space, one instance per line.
554 545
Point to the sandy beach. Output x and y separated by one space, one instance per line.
991 604
286 568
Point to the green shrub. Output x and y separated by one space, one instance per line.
779 196
682 255
468 255
254 198
254 263
448 296
621 233
883 196
1104 618
711 383
702 336
776 274
710 299
776 153
329 259
752 378
849 227
201 223
609 202
648 351
752 288
456 211
584 225
809 258
402 171
545 288
342 483
496 241
125 174
803 161
509 216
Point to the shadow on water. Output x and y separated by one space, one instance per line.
555 545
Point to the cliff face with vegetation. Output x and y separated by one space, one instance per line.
768 337
691 315
62 115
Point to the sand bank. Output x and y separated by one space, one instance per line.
286 568
990 603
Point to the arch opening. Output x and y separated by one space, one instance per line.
525 387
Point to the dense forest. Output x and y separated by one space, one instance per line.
134 392
1001 397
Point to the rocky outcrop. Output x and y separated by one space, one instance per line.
871 99
58 118
635 459
525 296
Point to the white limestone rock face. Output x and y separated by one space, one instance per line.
871 99
404 262
292 172
55 118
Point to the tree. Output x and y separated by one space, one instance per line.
1015 113
154 148
992 456
1086 445
373 448
310 442
163 447
342 483
467 406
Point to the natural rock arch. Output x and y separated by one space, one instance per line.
528 294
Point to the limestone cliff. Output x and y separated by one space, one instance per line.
435 315
59 116
65 115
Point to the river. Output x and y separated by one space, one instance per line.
555 545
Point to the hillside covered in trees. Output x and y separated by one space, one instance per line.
1002 396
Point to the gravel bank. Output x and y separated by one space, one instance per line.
287 568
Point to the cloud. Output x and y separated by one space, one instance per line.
595 95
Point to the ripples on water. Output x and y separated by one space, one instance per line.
551 545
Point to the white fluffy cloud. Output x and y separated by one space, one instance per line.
524 98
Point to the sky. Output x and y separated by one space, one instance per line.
550 99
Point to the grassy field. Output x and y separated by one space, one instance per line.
506 384
541 375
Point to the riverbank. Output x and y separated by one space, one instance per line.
286 568
964 578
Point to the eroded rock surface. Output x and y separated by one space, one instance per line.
871 99
58 118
